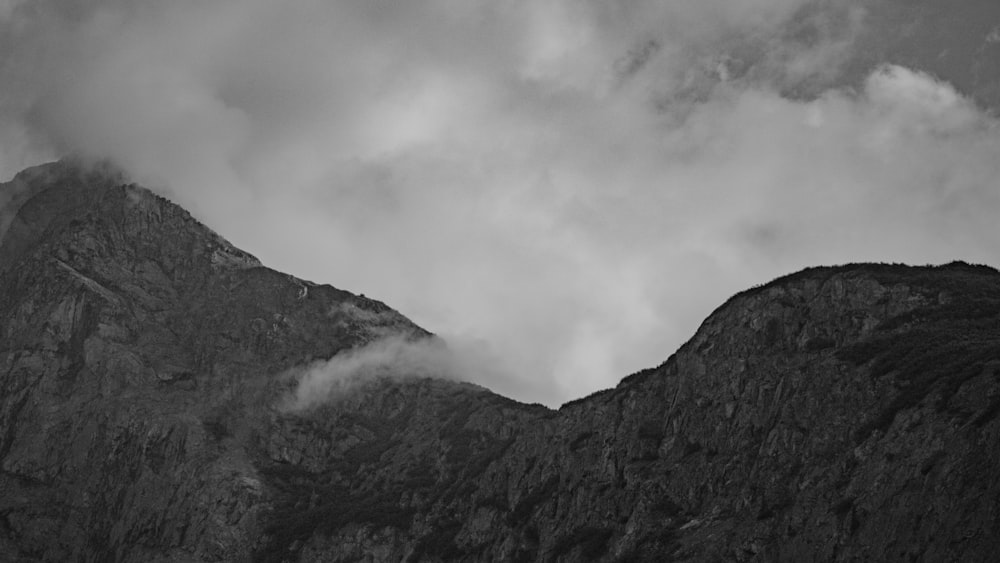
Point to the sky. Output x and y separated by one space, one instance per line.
566 188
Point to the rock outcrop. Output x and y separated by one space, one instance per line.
836 414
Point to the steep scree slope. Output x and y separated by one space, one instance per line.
843 413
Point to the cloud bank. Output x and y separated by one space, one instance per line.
572 185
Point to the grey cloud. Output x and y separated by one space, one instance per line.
533 177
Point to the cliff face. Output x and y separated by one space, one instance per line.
835 414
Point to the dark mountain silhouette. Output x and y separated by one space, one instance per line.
845 413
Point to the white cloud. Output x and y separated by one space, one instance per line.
395 357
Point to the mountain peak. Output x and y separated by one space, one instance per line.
43 200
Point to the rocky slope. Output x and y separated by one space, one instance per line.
837 414
140 356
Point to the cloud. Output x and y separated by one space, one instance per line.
396 357
571 185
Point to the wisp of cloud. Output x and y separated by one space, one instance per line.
393 357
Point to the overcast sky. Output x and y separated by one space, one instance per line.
566 186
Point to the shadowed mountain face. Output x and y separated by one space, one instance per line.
848 413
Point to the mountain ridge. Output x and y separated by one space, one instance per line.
835 413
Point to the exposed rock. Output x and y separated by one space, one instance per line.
838 414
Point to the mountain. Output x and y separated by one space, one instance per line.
141 354
842 413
